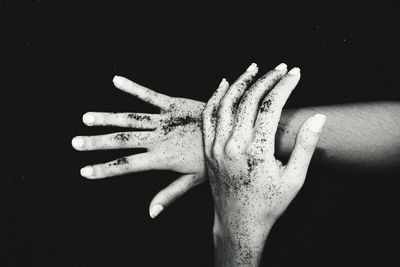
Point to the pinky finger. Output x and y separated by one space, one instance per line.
306 142
172 192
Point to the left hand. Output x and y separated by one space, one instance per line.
173 140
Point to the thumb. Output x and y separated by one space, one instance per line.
172 192
306 142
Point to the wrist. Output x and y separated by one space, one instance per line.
249 234
251 227
239 244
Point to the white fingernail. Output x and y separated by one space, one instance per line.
155 210
252 67
88 119
281 66
87 171
117 80
222 82
77 142
294 71
317 123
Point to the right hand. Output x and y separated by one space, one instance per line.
250 187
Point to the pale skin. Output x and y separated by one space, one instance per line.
360 136
250 187
173 140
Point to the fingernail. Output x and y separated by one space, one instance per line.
222 82
77 142
281 66
317 123
155 210
294 71
87 171
117 80
88 119
252 67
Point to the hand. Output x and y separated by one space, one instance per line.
251 188
173 140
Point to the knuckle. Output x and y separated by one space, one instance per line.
233 148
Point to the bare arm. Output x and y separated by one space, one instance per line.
364 136
356 136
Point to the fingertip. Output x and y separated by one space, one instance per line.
281 66
118 81
155 210
77 142
87 172
294 71
222 82
317 123
253 67
88 118
226 84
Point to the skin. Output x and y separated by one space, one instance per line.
169 137
357 137
250 187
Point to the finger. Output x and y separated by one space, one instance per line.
160 100
136 163
128 120
306 142
210 114
172 192
227 108
116 141
271 109
249 105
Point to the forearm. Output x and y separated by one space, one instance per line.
358 136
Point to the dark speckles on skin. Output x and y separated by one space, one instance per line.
138 117
252 163
265 105
172 107
119 161
246 182
233 109
171 123
123 137
214 114
247 256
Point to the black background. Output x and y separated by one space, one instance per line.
59 59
